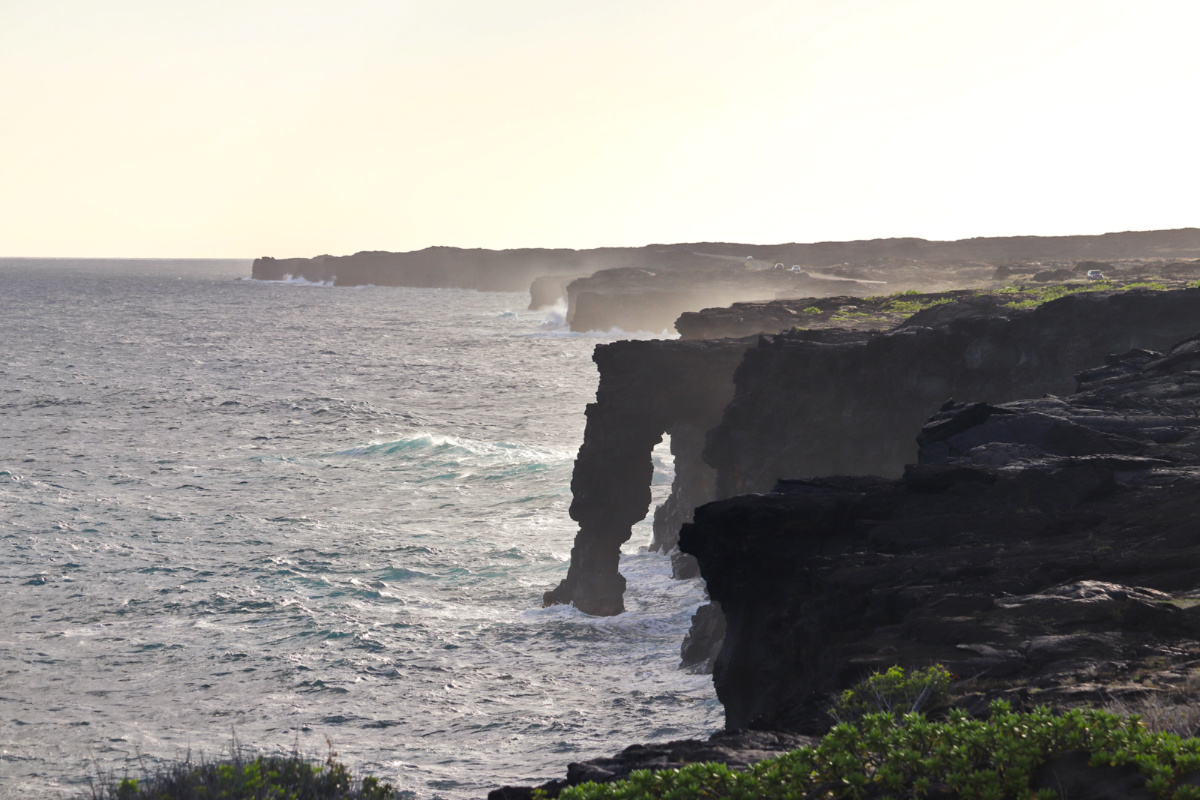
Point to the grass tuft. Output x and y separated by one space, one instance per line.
247 777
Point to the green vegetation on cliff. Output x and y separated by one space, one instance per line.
896 754
885 311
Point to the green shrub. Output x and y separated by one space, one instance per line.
911 307
246 777
813 310
882 755
1023 304
896 692
1045 294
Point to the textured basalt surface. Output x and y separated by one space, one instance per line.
1048 549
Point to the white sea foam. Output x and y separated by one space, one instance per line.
289 280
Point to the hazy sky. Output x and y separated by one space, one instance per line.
298 127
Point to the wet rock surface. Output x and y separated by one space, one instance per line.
1047 549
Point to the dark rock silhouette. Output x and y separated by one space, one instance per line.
488 270
808 406
1047 548
817 402
658 289
647 388
643 299
1044 550
548 291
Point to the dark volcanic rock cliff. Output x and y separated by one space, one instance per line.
1049 549
814 403
807 406
646 299
488 270
613 301
647 388
651 296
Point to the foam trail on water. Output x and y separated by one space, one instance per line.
289 280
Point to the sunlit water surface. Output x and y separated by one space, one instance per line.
291 514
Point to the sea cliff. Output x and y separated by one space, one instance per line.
1044 549
647 288
747 412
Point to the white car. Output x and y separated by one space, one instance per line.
1095 275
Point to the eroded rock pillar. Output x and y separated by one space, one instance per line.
611 488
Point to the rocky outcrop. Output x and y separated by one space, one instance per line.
1047 549
884 312
815 402
647 389
548 291
809 404
643 299
655 290
613 301
455 267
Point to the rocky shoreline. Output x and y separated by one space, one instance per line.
1044 549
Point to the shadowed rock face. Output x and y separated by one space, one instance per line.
488 270
664 283
807 405
651 299
647 388
548 291
1045 546
675 273
815 402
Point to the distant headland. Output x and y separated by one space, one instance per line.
647 288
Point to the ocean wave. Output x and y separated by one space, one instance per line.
294 281
446 446
565 332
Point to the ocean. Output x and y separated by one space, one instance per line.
301 517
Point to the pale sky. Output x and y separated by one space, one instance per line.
239 128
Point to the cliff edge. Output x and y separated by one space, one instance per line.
1048 549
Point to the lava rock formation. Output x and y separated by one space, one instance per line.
1047 548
